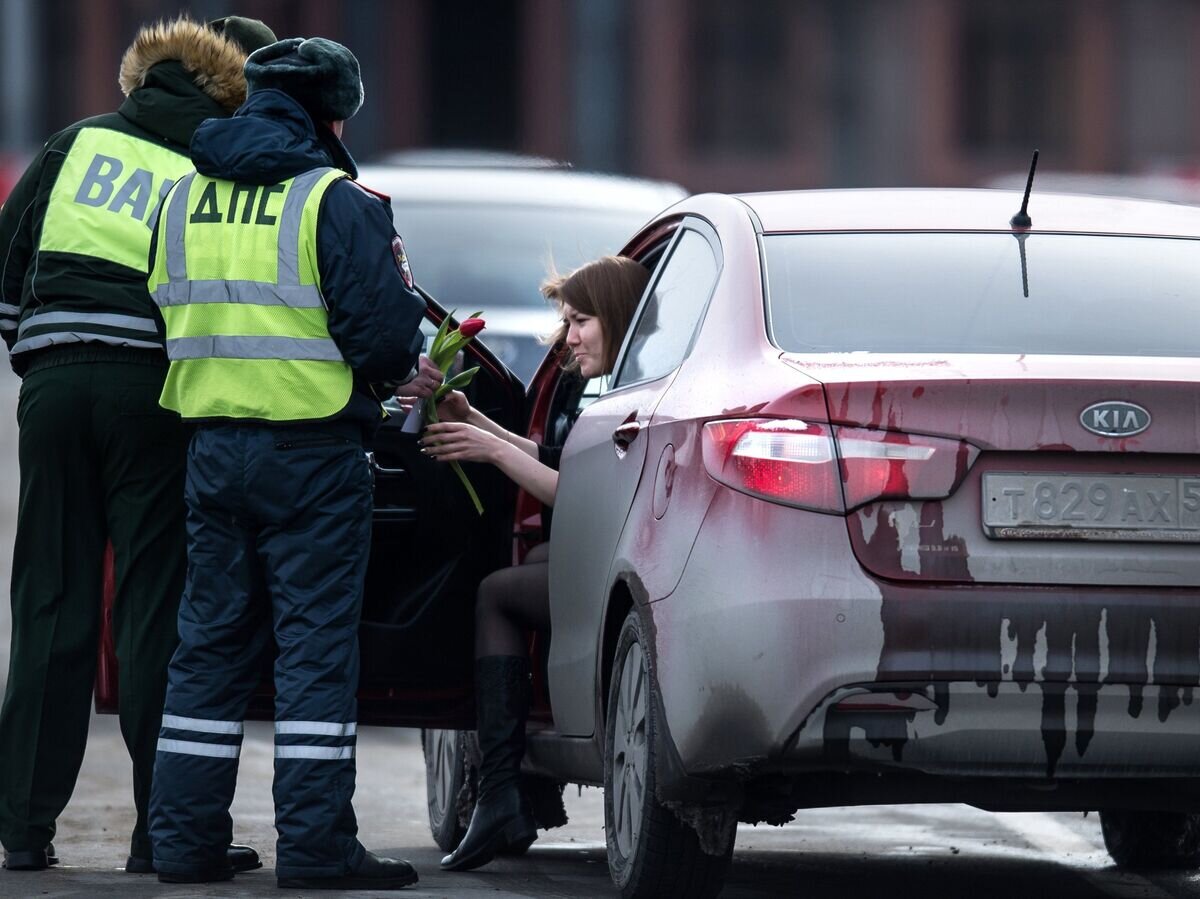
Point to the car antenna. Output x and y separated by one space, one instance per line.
1021 223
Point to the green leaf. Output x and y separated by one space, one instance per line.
447 351
440 336
461 380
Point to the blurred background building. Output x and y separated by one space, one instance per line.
709 93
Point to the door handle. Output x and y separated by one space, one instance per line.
624 435
380 470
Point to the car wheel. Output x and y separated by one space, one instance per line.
651 853
1137 839
445 778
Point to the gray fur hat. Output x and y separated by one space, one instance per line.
321 75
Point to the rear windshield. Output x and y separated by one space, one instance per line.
966 293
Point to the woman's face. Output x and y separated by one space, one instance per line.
585 337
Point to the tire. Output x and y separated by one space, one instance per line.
445 780
1150 840
651 853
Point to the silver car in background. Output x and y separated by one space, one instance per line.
483 230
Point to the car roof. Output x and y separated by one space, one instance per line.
949 209
549 187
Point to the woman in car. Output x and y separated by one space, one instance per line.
597 302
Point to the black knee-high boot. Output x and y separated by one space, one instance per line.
502 818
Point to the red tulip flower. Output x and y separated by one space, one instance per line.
445 347
470 327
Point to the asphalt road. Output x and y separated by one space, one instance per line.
907 851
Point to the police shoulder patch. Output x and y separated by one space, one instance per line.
402 261
371 193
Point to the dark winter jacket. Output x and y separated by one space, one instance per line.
175 76
374 316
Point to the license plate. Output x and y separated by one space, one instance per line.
1139 508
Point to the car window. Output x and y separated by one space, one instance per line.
669 315
572 394
493 258
1067 294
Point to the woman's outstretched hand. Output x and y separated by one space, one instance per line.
456 441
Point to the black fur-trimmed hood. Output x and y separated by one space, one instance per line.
213 61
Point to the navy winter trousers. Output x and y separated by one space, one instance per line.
279 529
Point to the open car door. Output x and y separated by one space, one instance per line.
429 551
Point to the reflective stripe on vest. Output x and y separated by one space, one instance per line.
43 329
106 194
236 280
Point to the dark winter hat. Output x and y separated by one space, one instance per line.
321 75
249 34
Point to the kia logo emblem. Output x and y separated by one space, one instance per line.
1115 419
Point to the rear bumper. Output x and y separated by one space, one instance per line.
756 647
964 729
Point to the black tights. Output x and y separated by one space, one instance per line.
511 603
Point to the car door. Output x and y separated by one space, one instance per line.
429 551
603 463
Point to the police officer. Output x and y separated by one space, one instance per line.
286 295
99 459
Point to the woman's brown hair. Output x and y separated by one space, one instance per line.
609 289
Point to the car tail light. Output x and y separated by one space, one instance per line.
783 460
892 465
827 469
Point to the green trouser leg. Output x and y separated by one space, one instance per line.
99 460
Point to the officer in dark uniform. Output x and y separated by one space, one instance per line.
286 296
100 460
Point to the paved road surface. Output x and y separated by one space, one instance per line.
931 852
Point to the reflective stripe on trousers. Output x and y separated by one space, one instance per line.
205 729
314 729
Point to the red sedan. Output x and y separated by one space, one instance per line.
885 502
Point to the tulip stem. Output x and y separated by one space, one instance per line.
462 475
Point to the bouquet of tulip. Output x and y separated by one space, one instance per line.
446 344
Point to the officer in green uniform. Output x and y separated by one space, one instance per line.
100 459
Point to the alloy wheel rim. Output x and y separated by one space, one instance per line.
630 752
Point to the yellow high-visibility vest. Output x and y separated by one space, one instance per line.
106 194
103 206
235 276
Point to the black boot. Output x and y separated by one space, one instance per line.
502 818
240 858
31 859
374 872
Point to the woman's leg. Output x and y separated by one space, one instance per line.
510 603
